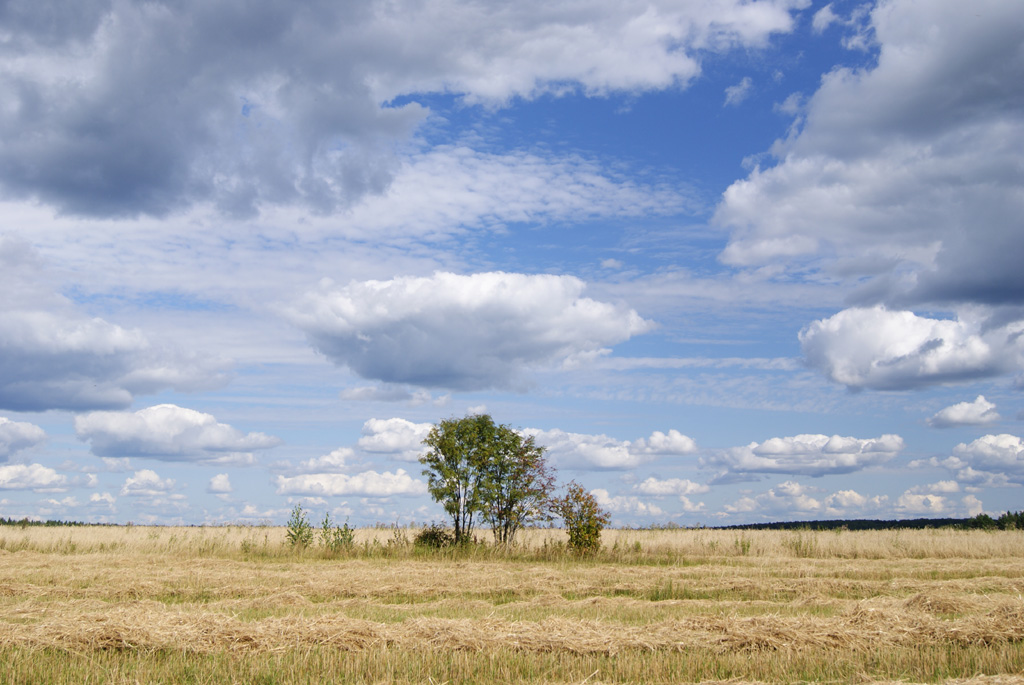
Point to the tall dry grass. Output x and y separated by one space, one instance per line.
237 604
631 546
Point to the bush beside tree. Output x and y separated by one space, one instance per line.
584 518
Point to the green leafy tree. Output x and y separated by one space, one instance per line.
584 518
459 448
516 485
476 468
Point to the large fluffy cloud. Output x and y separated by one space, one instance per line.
806 455
461 332
908 165
117 108
18 435
168 432
903 179
894 350
54 357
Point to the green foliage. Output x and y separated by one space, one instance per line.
300 532
434 536
984 521
584 518
517 485
458 448
742 545
1008 521
336 538
802 544
26 522
478 468
399 538
1011 521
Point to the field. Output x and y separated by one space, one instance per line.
236 604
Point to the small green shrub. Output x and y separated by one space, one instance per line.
434 536
399 538
802 544
336 538
300 532
742 545
584 518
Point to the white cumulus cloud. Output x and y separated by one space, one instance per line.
18 435
895 350
997 455
624 504
335 461
34 477
604 452
146 483
220 484
787 498
397 437
977 413
660 443
922 504
461 332
807 455
170 433
102 499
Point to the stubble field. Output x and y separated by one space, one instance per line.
237 604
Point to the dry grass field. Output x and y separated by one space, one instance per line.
236 604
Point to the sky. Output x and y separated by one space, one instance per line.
729 261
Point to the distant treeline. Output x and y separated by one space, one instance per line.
1011 520
25 522
1008 521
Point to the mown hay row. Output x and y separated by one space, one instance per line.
151 625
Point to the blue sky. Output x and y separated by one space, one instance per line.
729 261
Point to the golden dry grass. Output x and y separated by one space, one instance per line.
236 604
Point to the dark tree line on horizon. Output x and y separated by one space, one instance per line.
1007 521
